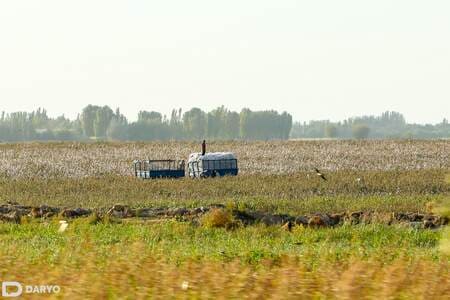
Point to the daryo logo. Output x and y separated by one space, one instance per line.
16 289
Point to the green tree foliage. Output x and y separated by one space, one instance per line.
176 125
88 117
194 122
265 125
216 120
150 117
231 126
387 125
103 117
118 127
149 126
23 126
95 120
220 123
331 131
360 131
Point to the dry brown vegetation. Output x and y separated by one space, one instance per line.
299 193
147 278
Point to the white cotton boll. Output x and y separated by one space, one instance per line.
63 226
185 285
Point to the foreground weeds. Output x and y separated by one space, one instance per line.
143 260
40 241
143 277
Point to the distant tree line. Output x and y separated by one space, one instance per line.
387 125
101 122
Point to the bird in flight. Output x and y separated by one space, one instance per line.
320 174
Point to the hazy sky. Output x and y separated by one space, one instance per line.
316 59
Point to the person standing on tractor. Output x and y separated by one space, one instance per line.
203 147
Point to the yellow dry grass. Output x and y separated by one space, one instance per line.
131 276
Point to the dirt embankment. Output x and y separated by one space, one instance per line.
14 213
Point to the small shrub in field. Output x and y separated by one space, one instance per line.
218 218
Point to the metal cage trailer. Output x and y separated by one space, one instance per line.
166 168
212 164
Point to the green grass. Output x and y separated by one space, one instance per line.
177 242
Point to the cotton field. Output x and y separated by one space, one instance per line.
76 160
376 227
